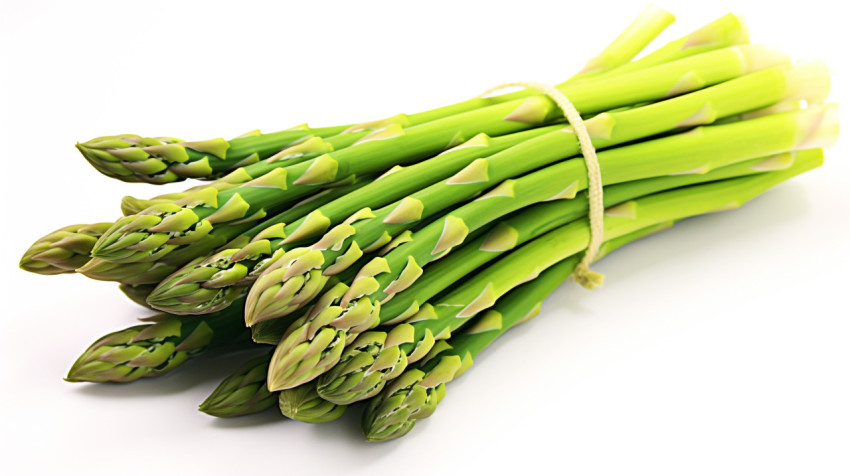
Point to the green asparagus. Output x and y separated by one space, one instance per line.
380 258
302 403
149 350
242 393
64 250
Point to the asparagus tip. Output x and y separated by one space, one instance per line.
302 403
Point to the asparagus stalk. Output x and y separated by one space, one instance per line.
157 160
149 350
133 205
303 150
163 228
648 25
165 160
282 279
727 30
414 395
355 377
302 403
225 275
325 331
64 250
242 393
152 272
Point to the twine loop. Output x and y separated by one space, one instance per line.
582 274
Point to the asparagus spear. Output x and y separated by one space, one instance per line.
242 393
149 350
64 250
356 374
164 160
727 30
132 158
649 24
163 228
223 276
414 395
133 205
282 281
302 403
325 331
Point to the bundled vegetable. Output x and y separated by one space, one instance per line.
374 261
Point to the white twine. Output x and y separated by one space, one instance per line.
582 273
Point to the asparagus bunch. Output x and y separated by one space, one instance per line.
362 232
376 260
722 33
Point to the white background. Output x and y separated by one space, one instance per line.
718 347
